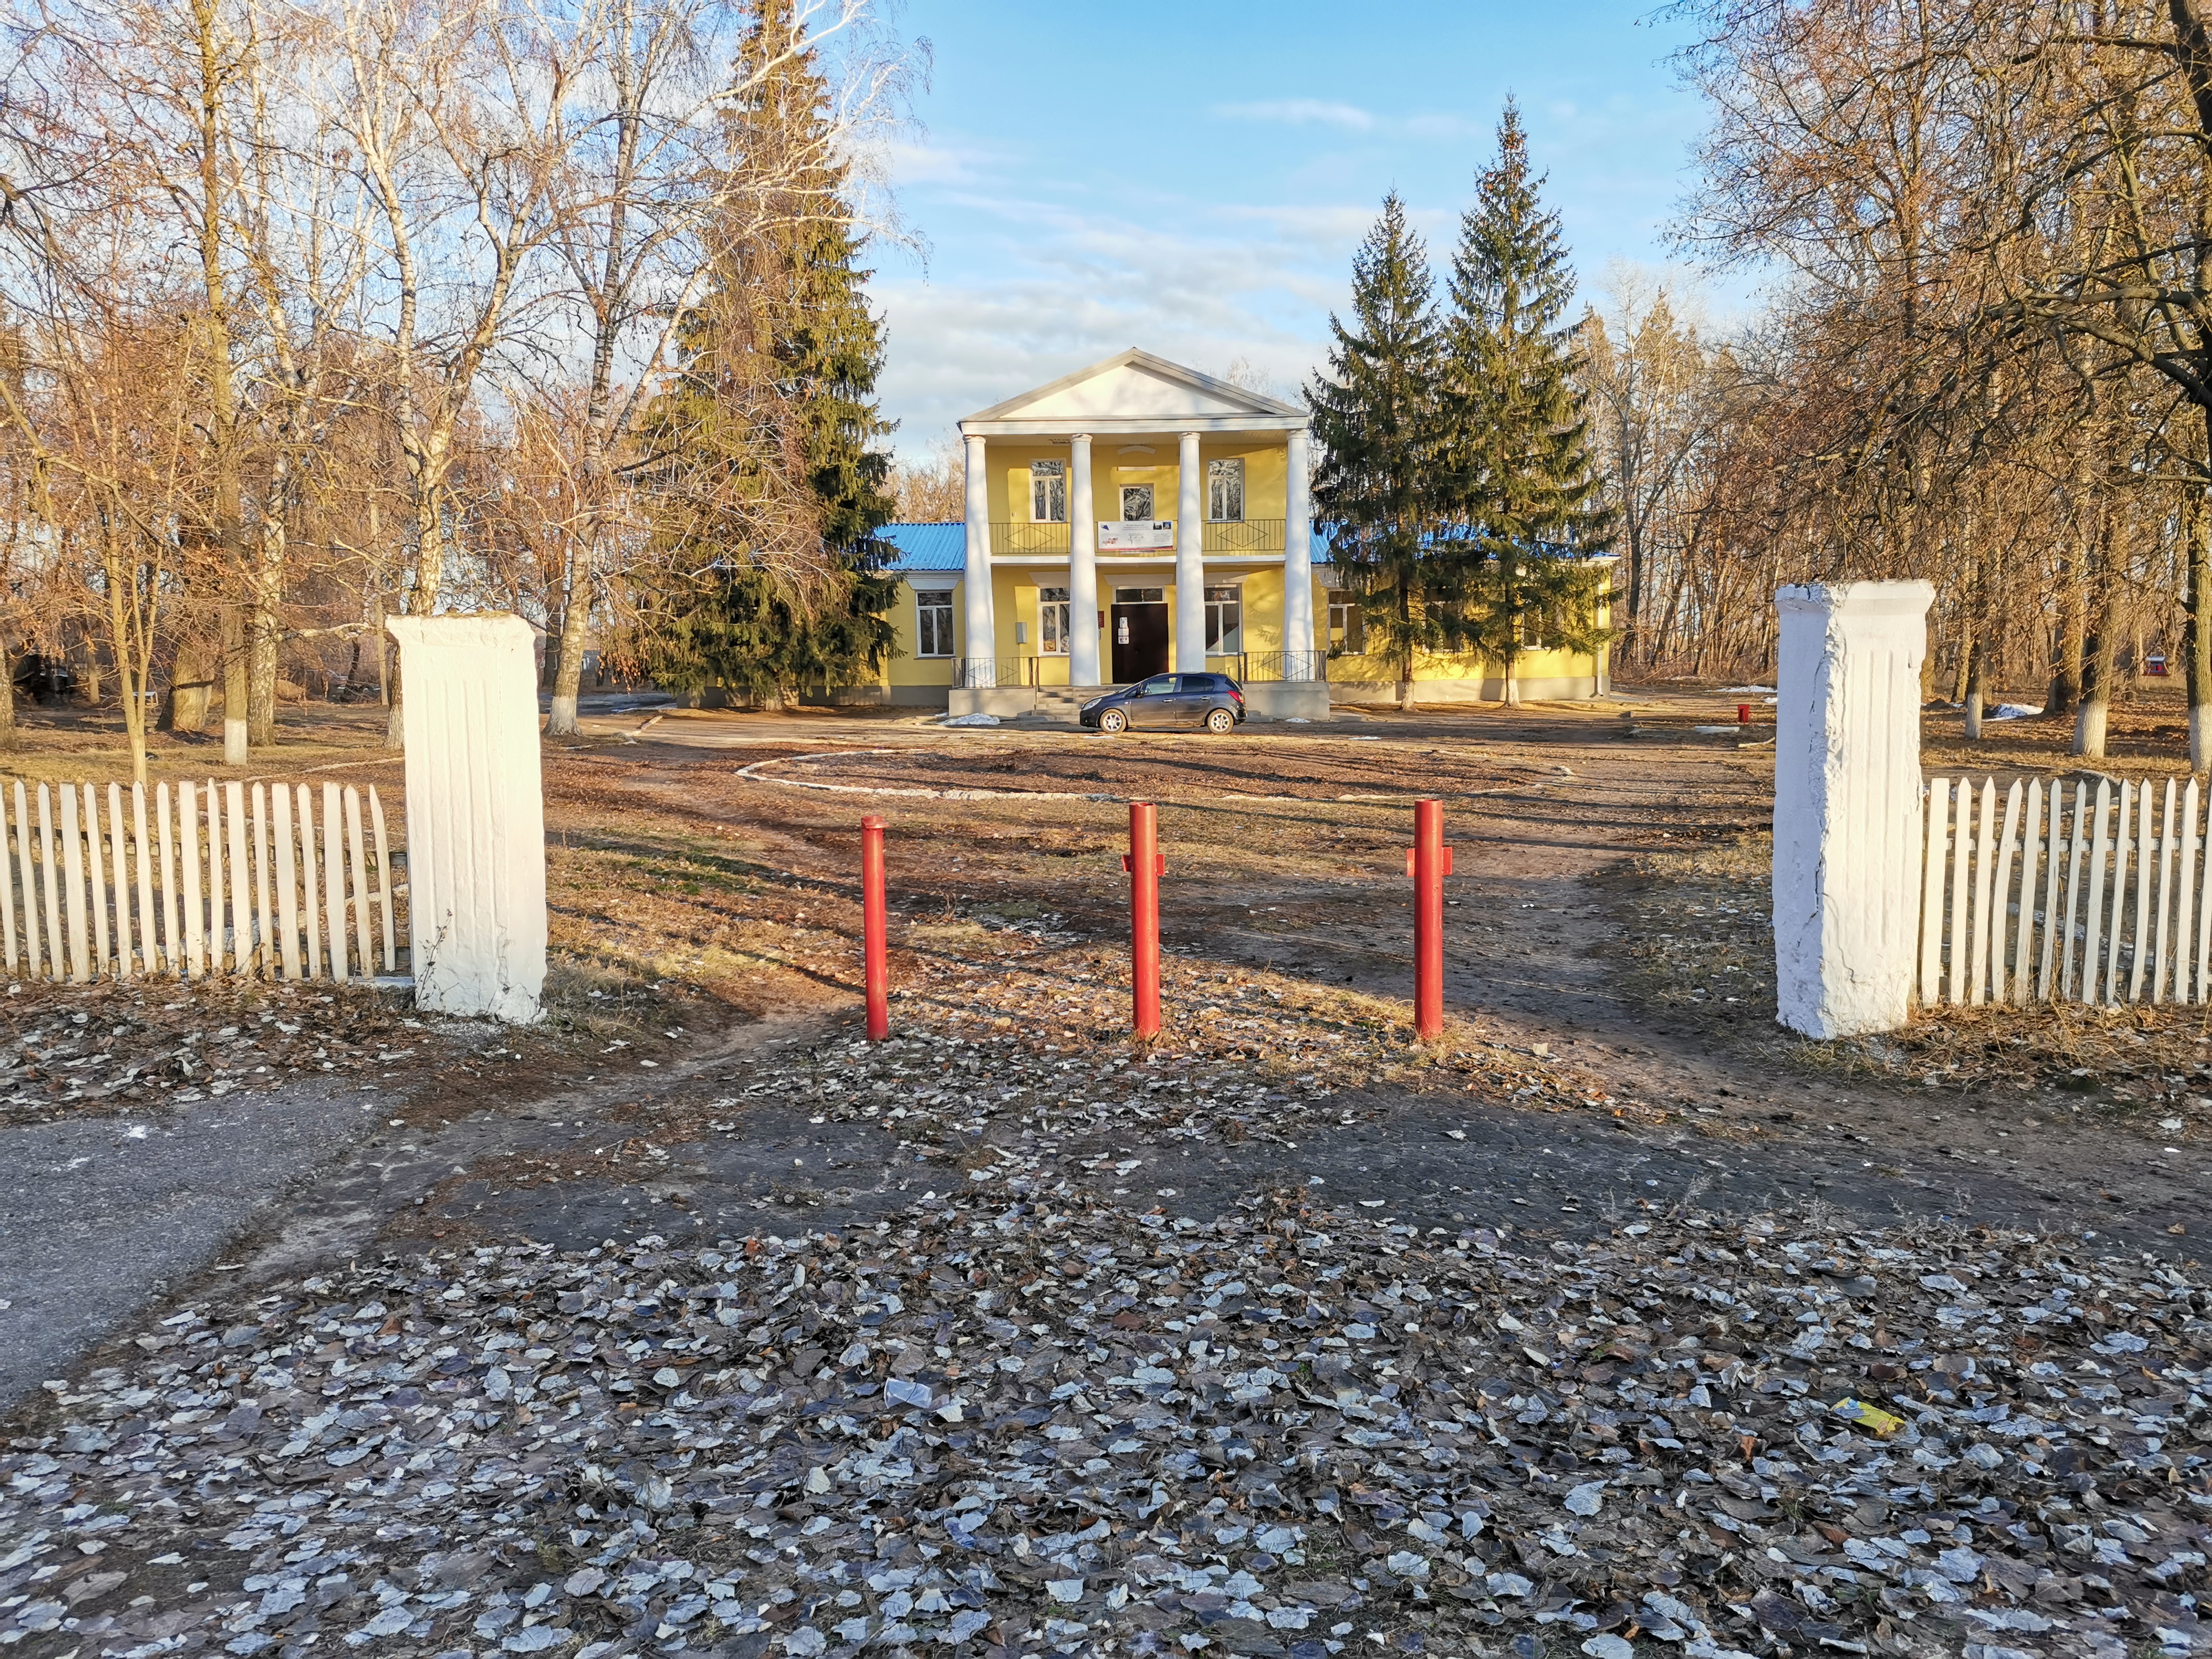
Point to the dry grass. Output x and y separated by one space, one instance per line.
1698 950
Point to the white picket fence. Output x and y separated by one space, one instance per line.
2051 890
213 879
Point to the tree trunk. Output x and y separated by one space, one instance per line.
91 680
383 650
1974 699
234 697
1405 649
191 681
9 737
265 636
2066 673
2096 694
568 664
2195 626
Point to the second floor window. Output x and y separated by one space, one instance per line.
1052 622
1224 491
1049 492
1136 503
1347 628
933 619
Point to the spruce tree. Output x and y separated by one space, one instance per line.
1375 419
770 494
1514 451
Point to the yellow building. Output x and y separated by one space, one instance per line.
1136 518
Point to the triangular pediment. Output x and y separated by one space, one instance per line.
1136 386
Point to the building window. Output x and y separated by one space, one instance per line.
1224 491
1136 503
1052 622
1139 595
1347 627
1049 492
1224 620
932 623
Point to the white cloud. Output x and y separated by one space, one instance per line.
941 164
1087 288
1300 112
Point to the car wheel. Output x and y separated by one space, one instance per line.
1219 720
1113 720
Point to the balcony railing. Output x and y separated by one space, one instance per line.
1245 536
1028 538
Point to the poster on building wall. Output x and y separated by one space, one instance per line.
1134 535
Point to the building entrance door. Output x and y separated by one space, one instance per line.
1140 635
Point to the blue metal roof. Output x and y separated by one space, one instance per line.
926 547
931 549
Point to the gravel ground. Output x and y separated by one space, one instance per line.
99 1214
1002 1425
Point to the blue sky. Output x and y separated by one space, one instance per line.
1191 177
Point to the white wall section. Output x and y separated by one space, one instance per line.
1847 805
476 814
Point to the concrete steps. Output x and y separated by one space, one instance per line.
1065 702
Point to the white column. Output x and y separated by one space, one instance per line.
981 640
1190 560
1082 567
1847 805
475 815
1298 556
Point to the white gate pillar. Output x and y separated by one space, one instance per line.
1847 805
476 814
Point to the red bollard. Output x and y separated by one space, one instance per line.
872 925
1743 714
1428 861
1145 864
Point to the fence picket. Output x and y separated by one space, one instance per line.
211 799
264 926
188 862
2146 851
1936 850
172 959
2200 835
49 883
288 883
334 881
308 875
145 873
384 876
1978 940
72 851
2092 920
9 938
1961 912
357 862
2184 898
2164 897
26 864
2031 851
95 857
2000 915
118 851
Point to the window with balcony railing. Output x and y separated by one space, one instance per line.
1224 491
1049 492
